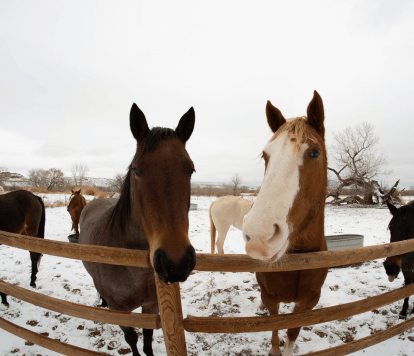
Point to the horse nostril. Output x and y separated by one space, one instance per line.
171 271
247 238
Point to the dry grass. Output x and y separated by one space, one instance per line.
87 190
220 191
103 195
38 190
56 204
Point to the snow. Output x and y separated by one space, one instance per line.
206 294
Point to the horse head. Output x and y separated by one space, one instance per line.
160 190
75 199
293 190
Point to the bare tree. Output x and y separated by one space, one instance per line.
37 177
117 181
79 172
357 162
236 180
55 177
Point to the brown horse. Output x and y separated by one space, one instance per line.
22 212
151 214
288 214
76 204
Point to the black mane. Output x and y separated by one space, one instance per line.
122 210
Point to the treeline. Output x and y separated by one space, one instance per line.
221 190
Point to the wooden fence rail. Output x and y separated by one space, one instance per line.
208 262
138 320
46 342
294 320
171 317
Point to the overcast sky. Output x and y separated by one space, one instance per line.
70 71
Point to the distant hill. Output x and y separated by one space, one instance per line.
9 179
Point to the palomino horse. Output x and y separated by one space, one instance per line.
151 214
22 212
288 214
225 212
76 204
402 228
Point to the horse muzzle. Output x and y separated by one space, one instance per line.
171 271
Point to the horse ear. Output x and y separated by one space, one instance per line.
138 123
316 114
392 208
79 191
186 125
275 118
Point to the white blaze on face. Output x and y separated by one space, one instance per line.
265 227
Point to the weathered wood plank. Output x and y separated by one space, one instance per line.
46 342
92 253
147 321
209 262
301 261
293 320
169 302
365 342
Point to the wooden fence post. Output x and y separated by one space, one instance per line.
169 302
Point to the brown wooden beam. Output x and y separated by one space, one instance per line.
146 321
293 320
46 342
365 342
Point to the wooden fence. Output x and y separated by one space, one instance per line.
171 317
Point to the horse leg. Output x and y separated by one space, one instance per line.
292 334
76 226
131 338
222 234
104 303
273 306
4 299
408 279
35 258
147 333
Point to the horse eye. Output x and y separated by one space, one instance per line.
314 154
190 173
137 172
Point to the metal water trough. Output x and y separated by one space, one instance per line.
341 242
74 238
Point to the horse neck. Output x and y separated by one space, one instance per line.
309 236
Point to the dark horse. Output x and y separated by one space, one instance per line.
402 228
22 212
151 214
288 214
76 204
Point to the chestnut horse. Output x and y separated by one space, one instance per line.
225 212
402 228
76 204
151 214
22 212
288 214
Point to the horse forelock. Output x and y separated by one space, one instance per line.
297 131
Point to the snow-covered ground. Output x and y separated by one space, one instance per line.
205 294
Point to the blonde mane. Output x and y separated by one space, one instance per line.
297 132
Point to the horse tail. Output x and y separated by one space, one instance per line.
212 230
41 229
